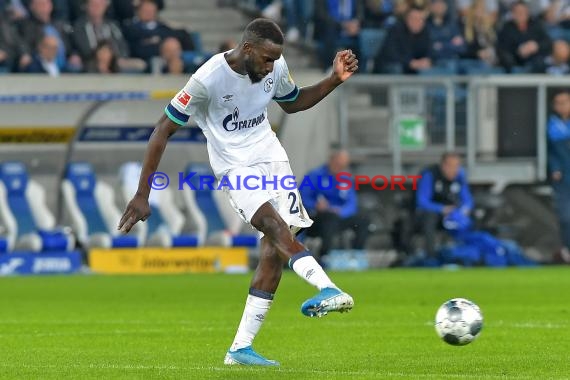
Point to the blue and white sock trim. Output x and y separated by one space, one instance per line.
298 256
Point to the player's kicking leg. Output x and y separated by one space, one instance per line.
330 298
277 247
261 291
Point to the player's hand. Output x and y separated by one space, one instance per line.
344 65
137 209
556 176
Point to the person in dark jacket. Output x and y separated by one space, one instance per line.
41 24
558 130
522 41
447 43
337 25
442 190
145 32
332 207
407 48
14 54
94 28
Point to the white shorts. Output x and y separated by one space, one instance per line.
274 185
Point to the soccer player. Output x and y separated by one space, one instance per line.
228 97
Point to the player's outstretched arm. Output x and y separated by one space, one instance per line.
138 208
344 65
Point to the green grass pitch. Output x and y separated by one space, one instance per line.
179 327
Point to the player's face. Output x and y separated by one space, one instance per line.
259 59
450 167
562 105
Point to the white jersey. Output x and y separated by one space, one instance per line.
232 112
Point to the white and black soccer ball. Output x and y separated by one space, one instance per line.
458 321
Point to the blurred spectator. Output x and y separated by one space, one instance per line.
537 8
171 54
145 33
522 41
479 33
557 63
14 54
61 8
558 130
332 209
298 14
407 47
41 23
104 59
226 45
13 9
488 7
93 28
557 18
125 10
446 39
379 13
45 59
337 25
442 189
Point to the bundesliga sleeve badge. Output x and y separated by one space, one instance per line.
183 98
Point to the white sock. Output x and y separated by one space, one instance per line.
307 267
253 316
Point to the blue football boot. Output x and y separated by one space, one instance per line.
329 299
247 356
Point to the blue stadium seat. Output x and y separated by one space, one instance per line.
217 222
90 207
165 227
29 223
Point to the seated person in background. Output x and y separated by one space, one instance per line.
379 13
407 48
13 9
145 32
442 190
557 63
558 130
522 41
337 25
447 43
125 10
14 55
333 210
44 61
171 54
104 60
488 7
479 33
94 28
226 45
42 23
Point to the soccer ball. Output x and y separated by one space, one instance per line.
458 321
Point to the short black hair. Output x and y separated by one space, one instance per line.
263 29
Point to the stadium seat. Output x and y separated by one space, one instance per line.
165 226
90 207
29 224
217 222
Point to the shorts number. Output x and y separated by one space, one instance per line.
293 209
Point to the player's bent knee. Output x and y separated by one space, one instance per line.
270 226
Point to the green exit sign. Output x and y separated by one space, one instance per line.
412 133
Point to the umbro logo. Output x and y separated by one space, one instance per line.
310 273
259 317
227 98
